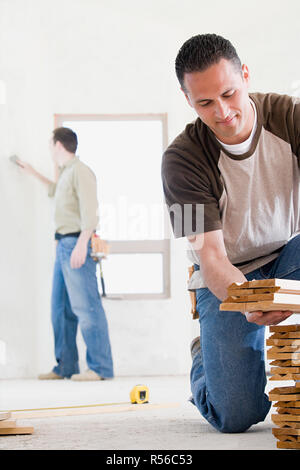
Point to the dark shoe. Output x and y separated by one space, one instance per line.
195 346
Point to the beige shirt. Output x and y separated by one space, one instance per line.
75 198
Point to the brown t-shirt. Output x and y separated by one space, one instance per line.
254 197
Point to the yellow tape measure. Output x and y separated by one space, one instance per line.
139 394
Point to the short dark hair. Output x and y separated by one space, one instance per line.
201 51
66 137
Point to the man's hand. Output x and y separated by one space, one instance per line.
25 166
78 255
267 318
80 250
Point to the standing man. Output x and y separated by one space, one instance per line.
239 162
75 295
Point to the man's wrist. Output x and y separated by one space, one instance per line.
84 237
82 241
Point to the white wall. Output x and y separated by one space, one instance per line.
107 56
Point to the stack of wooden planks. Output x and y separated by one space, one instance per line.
263 295
283 348
9 426
284 353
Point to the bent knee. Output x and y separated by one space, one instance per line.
239 425
231 427
235 419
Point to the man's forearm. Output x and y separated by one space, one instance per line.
218 274
41 177
84 236
79 253
27 168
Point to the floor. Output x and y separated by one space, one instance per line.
174 424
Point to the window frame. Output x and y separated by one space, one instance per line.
161 246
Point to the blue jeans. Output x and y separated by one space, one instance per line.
228 373
76 299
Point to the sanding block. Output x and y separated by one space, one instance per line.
14 159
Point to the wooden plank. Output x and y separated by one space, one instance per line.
274 397
289 404
285 390
288 445
4 415
282 342
287 424
285 363
285 370
290 411
16 430
264 306
282 283
288 335
287 438
289 348
73 411
233 307
285 417
259 290
275 297
284 291
283 356
288 431
285 377
281 349
7 423
247 298
284 394
284 328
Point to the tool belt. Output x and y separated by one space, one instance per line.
194 312
99 246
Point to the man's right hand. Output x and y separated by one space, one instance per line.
25 166
219 273
268 318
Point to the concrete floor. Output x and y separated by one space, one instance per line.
169 428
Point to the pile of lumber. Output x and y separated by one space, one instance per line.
283 348
9 426
284 352
263 295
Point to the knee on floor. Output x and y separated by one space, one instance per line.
232 426
239 420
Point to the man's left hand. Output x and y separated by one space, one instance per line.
78 255
267 318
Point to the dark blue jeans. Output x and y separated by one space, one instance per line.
76 299
228 374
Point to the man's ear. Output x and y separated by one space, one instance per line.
187 96
246 74
59 145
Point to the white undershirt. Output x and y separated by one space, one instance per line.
243 147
